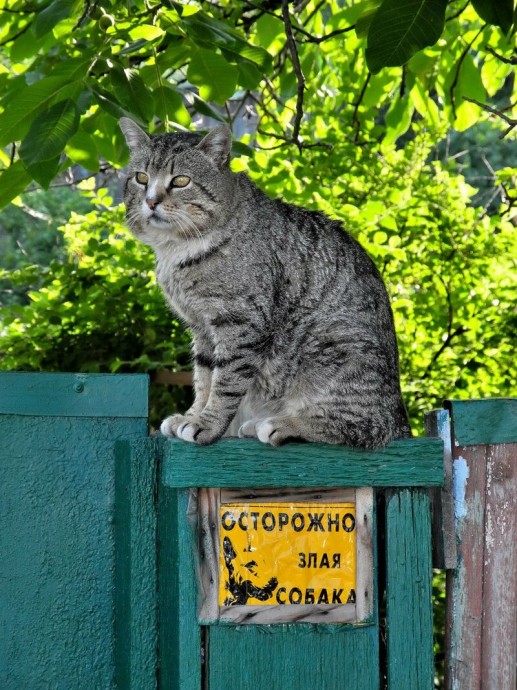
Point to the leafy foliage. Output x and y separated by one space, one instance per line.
322 107
72 68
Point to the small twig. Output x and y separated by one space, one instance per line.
297 70
455 16
319 39
355 118
510 121
507 61
86 11
458 68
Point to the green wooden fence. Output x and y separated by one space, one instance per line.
101 551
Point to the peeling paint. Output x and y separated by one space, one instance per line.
460 474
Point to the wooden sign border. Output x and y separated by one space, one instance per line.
209 502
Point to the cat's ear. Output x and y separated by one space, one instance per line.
136 138
217 145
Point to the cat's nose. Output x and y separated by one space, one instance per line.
152 203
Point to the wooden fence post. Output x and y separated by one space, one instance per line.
481 633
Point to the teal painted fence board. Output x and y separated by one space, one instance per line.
180 661
293 658
243 463
74 395
409 617
136 582
483 422
56 535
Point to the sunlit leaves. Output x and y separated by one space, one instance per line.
400 28
216 79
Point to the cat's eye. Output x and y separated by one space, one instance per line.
142 178
180 180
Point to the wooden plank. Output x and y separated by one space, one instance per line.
445 554
173 378
180 636
135 566
464 588
209 501
484 422
293 657
365 522
233 463
409 618
74 395
57 479
499 640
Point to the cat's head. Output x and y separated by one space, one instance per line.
178 185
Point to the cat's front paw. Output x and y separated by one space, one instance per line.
278 430
195 431
170 425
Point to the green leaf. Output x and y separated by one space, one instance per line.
398 119
44 171
26 103
214 76
364 21
168 104
81 149
108 103
496 12
205 109
132 92
205 30
12 182
52 14
400 28
49 133
148 32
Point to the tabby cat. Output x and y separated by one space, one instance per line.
293 334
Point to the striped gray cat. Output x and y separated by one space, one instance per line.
293 334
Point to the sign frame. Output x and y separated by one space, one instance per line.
209 501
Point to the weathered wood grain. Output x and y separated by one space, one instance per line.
499 642
209 501
481 639
365 526
445 554
234 463
464 589
409 617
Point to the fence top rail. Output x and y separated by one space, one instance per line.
45 394
484 422
235 463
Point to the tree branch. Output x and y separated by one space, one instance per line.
512 122
291 43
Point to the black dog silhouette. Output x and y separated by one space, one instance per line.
241 590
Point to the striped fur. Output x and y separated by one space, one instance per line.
293 334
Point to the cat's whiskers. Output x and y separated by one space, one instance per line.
187 224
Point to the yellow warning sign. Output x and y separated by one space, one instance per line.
287 554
